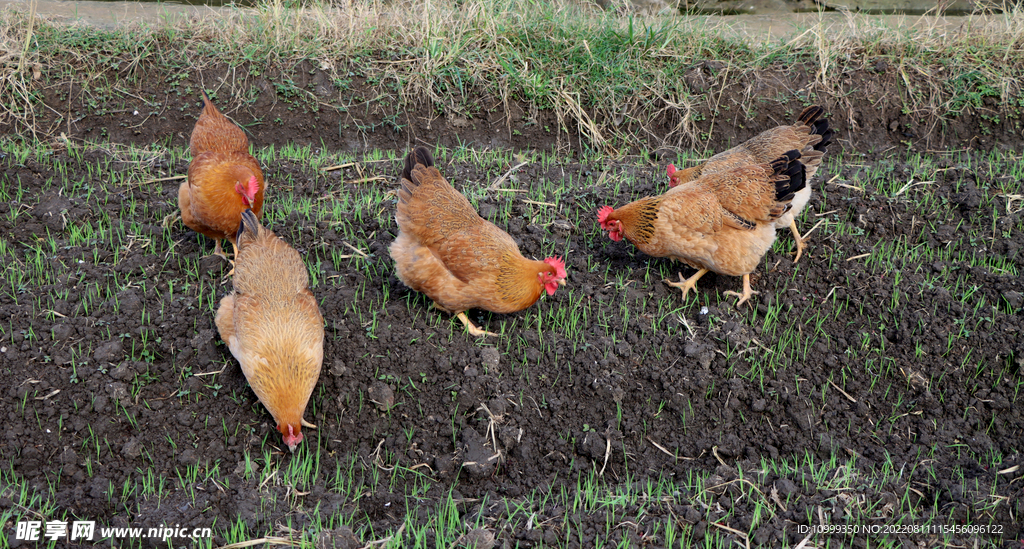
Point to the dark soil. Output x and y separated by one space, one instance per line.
305 105
112 365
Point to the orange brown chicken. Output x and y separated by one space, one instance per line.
722 222
458 259
272 324
223 178
810 135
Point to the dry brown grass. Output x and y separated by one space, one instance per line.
18 68
607 77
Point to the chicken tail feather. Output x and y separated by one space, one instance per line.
419 155
248 229
782 163
408 185
792 176
810 114
821 128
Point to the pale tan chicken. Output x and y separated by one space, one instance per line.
810 135
722 222
272 325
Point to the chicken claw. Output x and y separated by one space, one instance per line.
747 292
218 251
689 283
800 241
473 330
169 220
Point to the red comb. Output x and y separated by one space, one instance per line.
603 213
558 264
292 438
671 169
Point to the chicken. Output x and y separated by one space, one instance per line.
457 258
722 222
809 135
223 178
272 324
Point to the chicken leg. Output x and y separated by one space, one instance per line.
473 330
689 283
800 241
217 250
747 292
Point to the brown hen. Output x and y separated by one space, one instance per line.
722 222
272 325
809 135
223 179
457 258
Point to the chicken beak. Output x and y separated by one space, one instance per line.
561 282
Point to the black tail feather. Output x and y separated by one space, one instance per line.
826 138
820 127
795 172
781 163
248 223
419 155
810 114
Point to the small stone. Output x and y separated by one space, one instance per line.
132 448
490 357
122 372
339 538
785 487
477 459
111 351
99 488
478 538
1014 299
443 464
338 368
61 332
119 392
381 395
496 406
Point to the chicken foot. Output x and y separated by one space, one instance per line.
689 283
217 250
169 220
747 292
800 241
473 330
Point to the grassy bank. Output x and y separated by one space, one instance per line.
619 81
